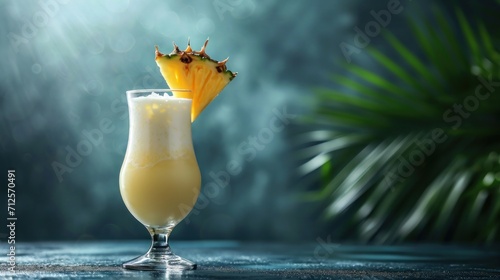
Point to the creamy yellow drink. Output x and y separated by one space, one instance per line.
160 179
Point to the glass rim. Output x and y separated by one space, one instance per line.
131 92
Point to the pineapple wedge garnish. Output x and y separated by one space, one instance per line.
195 71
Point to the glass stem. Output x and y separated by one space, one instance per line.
159 246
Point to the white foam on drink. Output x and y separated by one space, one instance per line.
160 129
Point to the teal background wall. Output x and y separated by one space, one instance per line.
64 71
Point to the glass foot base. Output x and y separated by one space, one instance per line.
169 262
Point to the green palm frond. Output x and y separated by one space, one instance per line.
413 151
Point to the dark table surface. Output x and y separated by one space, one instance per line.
237 260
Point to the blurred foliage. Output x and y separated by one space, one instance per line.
412 151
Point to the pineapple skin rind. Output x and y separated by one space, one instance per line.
228 72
